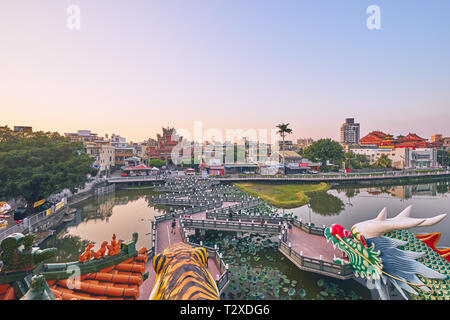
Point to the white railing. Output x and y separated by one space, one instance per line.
33 220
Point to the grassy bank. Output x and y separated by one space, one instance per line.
282 195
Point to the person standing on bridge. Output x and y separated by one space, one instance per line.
174 225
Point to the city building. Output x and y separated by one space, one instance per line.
289 157
374 139
436 137
122 153
350 132
123 150
287 145
23 129
379 139
402 158
104 155
303 143
446 143
162 147
84 136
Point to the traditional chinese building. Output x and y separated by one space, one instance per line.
162 147
379 139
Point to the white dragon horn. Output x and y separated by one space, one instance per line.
433 220
405 213
381 225
382 215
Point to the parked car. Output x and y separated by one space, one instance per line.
313 172
123 175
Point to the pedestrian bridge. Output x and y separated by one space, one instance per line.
305 245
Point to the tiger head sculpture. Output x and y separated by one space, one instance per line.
181 274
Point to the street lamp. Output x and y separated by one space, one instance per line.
309 206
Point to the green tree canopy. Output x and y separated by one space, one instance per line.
156 163
323 150
356 161
443 157
189 163
383 162
36 165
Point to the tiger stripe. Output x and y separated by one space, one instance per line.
181 275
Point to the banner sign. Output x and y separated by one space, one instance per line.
59 205
38 203
303 165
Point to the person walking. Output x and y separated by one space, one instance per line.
290 227
174 225
230 215
262 222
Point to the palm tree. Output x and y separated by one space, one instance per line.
283 131
383 162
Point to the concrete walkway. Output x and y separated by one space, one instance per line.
312 246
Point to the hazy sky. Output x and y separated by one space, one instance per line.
135 66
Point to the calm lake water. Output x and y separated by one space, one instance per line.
122 213
347 206
125 212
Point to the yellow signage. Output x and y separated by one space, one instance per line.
48 211
59 205
38 203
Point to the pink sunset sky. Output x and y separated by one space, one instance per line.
135 66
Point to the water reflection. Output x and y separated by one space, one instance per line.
358 203
326 204
122 213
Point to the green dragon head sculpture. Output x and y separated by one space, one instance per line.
383 250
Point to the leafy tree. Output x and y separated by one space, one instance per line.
356 161
156 163
189 163
283 131
383 162
36 165
443 157
324 150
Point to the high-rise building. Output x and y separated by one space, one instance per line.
350 132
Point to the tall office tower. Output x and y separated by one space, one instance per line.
350 132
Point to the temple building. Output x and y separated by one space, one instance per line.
379 139
162 147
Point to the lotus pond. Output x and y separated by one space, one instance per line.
260 272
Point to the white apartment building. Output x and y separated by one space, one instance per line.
403 158
104 155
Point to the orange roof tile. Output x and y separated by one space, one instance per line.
121 281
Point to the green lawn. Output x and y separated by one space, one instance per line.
282 195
